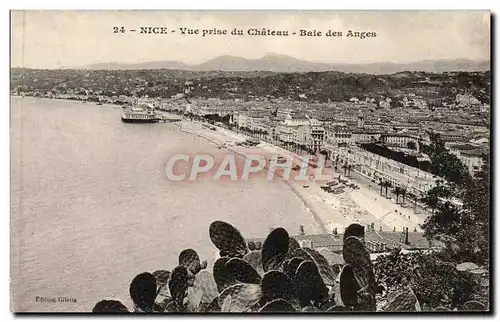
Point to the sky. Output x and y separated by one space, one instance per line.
53 39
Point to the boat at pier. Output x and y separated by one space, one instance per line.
139 115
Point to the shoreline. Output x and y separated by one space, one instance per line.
91 103
304 201
330 211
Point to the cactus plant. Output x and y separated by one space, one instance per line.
242 297
275 249
276 285
222 277
226 305
355 230
178 285
310 308
193 299
338 308
467 266
473 306
356 255
293 245
143 291
349 287
254 258
281 276
110 306
404 301
213 306
206 283
162 277
310 286
290 266
324 267
326 306
189 258
242 271
277 305
227 239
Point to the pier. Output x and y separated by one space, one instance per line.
167 118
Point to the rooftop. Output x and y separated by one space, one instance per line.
472 153
334 243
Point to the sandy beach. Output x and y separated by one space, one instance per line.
364 205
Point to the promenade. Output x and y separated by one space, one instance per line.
334 211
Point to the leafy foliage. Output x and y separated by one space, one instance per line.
465 228
435 280
444 164
296 279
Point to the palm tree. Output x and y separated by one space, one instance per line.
397 191
381 184
345 168
415 199
387 184
411 145
403 193
431 199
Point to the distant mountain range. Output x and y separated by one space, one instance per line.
287 64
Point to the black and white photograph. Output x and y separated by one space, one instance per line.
213 162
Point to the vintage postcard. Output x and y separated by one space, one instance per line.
250 161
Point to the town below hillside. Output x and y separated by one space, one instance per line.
315 87
316 110
423 138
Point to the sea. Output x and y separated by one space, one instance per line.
91 205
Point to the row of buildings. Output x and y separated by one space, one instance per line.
340 138
341 131
338 128
377 243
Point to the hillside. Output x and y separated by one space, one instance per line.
315 86
287 64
